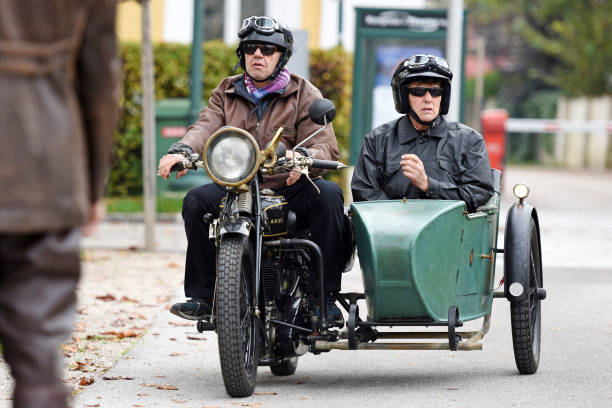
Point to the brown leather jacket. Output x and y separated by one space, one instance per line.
59 75
228 106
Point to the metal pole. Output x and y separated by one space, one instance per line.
195 74
454 44
231 20
479 88
148 128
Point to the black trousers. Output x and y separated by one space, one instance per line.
38 279
323 212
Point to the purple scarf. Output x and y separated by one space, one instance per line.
280 82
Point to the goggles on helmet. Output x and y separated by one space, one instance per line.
263 25
422 61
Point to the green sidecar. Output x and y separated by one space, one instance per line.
430 263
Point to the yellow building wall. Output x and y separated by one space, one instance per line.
311 21
129 20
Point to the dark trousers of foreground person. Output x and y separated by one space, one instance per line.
322 212
38 278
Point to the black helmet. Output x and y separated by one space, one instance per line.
420 66
268 31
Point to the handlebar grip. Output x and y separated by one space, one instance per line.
327 164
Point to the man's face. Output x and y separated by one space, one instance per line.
426 107
261 66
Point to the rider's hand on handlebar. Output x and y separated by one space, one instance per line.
296 172
166 163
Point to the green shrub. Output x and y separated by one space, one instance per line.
330 71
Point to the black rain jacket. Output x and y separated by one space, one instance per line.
454 156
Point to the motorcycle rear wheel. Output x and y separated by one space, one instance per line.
236 320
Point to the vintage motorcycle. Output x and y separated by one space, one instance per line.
432 266
262 314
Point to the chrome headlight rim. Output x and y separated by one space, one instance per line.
226 131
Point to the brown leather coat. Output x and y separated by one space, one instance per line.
58 110
226 107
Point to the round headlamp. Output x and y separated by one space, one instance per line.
231 156
521 191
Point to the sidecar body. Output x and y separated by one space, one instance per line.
418 257
431 263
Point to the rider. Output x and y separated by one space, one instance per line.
421 155
260 101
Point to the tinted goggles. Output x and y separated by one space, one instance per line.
266 49
420 61
421 91
263 25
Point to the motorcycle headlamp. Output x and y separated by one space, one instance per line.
263 25
231 156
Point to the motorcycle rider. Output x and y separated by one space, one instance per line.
421 155
260 101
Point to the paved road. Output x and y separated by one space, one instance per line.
576 218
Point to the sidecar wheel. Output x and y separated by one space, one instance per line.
526 315
286 367
236 320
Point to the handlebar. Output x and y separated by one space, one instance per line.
318 163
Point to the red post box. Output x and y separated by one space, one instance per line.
493 123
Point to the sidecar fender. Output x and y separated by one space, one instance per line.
241 226
517 246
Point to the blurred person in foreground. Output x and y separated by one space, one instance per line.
421 154
260 101
59 76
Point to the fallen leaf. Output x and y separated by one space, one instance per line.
72 348
178 401
195 338
161 386
83 381
452 388
117 378
137 405
172 339
120 335
106 298
172 265
266 393
143 394
180 324
79 366
92 405
246 404
127 299
177 354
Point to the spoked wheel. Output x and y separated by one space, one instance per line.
236 320
526 315
285 367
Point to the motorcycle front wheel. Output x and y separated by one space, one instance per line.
236 320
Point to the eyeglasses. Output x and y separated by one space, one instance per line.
266 49
421 91
264 25
418 62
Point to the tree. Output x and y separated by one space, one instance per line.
571 39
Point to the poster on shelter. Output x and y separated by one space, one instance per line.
387 58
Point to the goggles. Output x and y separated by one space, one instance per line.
266 49
263 25
421 61
421 91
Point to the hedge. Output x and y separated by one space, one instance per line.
331 72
